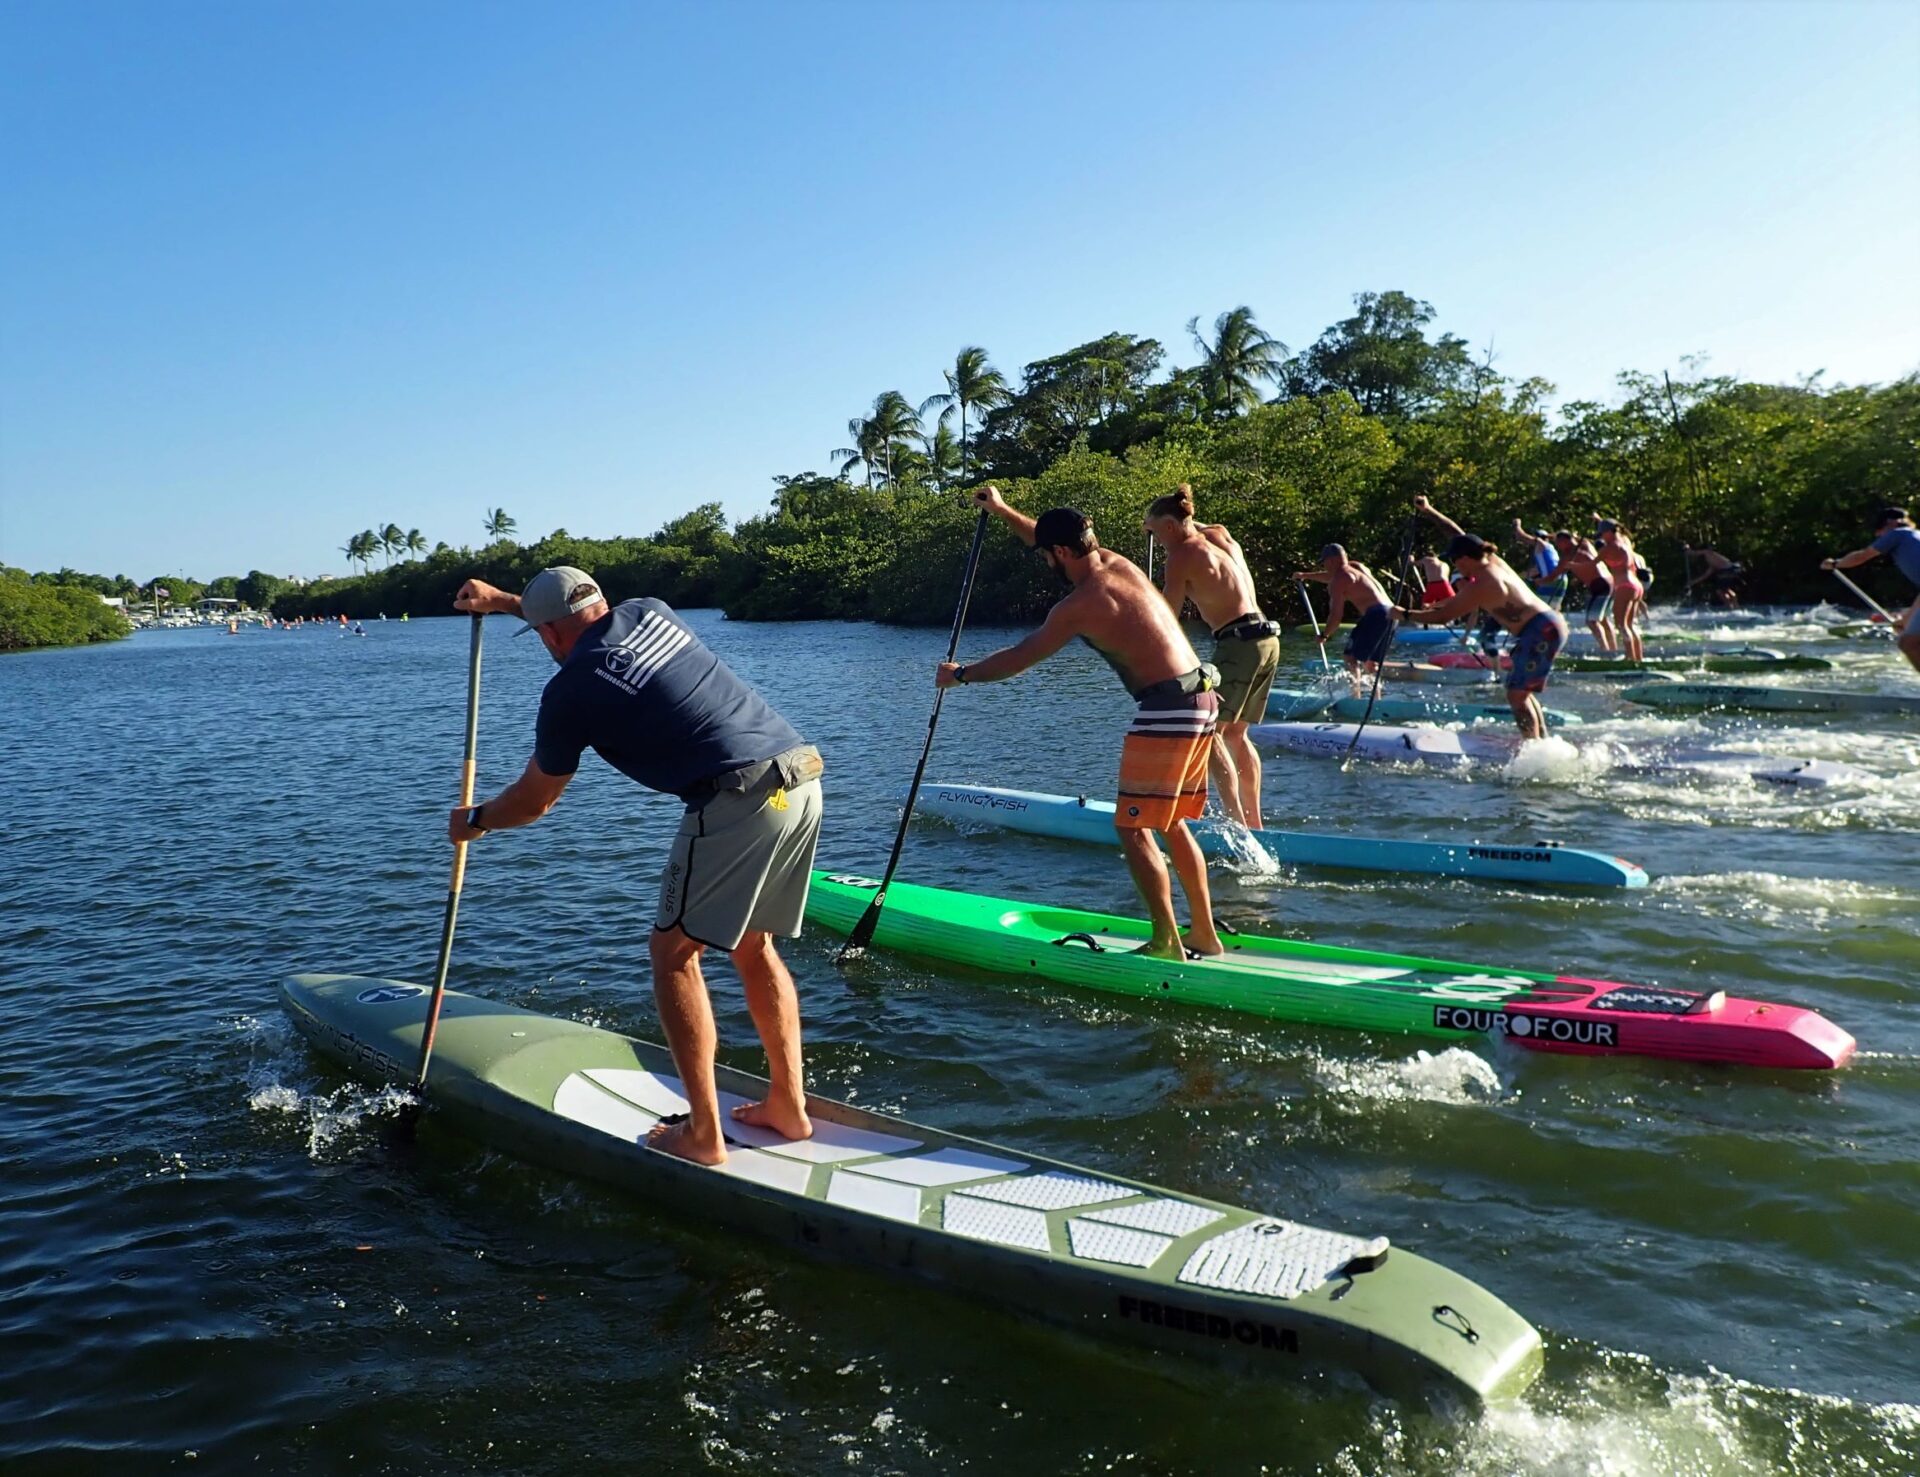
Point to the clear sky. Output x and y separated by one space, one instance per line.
273 272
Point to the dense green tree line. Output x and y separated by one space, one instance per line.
1292 450
43 611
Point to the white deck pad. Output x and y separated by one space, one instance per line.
587 1102
831 1142
1272 1258
1050 1190
941 1167
1168 1217
1306 969
583 1102
989 1220
1096 1241
877 1197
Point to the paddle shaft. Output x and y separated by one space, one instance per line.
1393 629
1841 575
1313 620
459 877
862 933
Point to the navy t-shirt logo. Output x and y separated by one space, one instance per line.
649 646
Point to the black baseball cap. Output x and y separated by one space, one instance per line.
1067 528
1891 515
1470 544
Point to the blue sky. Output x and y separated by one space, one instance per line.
270 273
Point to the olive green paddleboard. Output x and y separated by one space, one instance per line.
1182 1277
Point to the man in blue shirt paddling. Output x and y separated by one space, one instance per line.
1896 538
641 690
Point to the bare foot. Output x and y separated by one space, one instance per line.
1161 949
677 1137
784 1119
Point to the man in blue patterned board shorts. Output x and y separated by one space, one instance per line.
1493 586
643 691
1895 537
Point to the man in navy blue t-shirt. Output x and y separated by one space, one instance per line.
637 687
1895 537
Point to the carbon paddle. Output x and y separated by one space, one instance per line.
459 866
862 934
1393 629
1840 575
1314 621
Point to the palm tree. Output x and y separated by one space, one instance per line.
1241 356
351 548
360 548
942 454
416 542
972 382
393 538
498 524
895 424
860 432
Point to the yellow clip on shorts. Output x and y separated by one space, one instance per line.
741 864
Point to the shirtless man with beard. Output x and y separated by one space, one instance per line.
1114 608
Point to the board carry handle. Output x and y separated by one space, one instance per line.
459 877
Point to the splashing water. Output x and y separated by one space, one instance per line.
1453 1075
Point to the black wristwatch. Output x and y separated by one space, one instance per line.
473 817
960 674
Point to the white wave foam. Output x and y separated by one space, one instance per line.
1453 1075
332 1115
1554 760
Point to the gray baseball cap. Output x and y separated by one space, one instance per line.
554 594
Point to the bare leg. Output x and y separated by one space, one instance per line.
1246 767
1156 890
1192 867
775 1007
1526 713
1910 642
686 1014
1221 766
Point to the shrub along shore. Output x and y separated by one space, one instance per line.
1290 450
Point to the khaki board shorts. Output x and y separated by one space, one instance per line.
741 864
1247 670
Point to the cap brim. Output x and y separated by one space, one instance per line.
529 626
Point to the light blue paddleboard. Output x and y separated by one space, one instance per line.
1071 818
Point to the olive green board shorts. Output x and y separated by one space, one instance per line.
741 864
1247 670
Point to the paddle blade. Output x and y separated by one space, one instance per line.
862 934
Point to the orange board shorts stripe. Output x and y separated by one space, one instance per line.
1163 764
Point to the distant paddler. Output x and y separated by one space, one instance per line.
1351 583
1581 559
1487 631
1629 584
1436 579
1114 608
1495 589
1717 570
1546 576
1206 565
641 690
1895 537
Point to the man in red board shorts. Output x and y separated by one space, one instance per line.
1113 607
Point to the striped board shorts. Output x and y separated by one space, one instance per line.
1163 762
